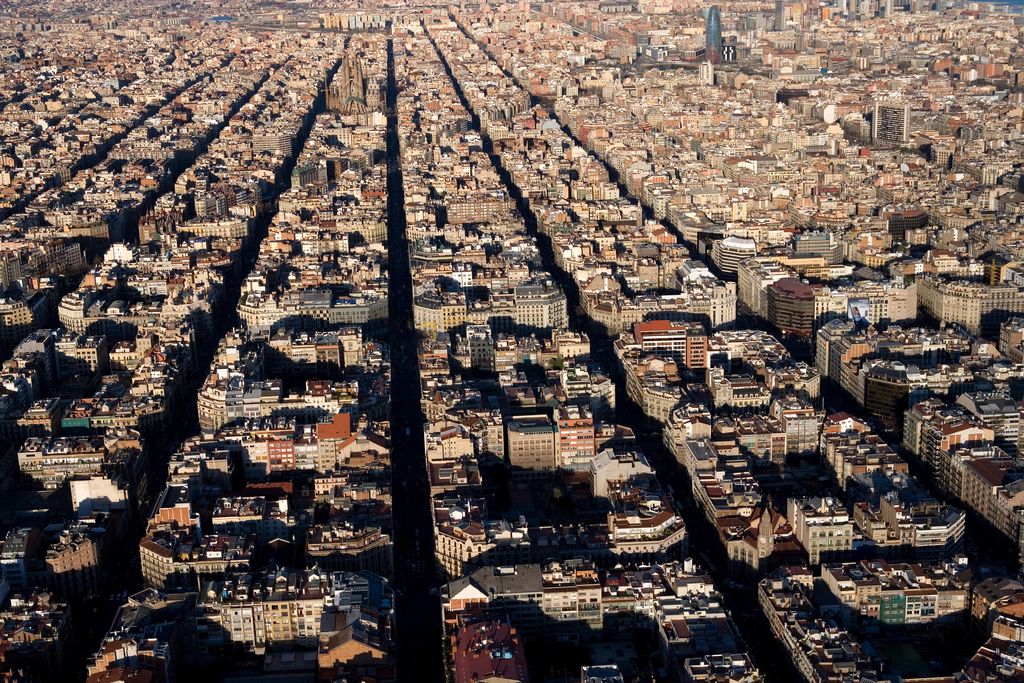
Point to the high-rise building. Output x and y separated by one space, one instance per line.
791 306
822 526
999 412
891 122
686 342
910 219
531 443
780 15
728 253
714 36
707 73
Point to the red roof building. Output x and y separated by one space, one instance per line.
488 650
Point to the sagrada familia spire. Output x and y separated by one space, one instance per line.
347 92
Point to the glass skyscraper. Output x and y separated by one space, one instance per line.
714 36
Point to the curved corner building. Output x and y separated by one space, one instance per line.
730 252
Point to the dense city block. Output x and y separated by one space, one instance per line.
610 341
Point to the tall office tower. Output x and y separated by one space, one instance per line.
780 15
843 7
891 123
888 8
714 35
